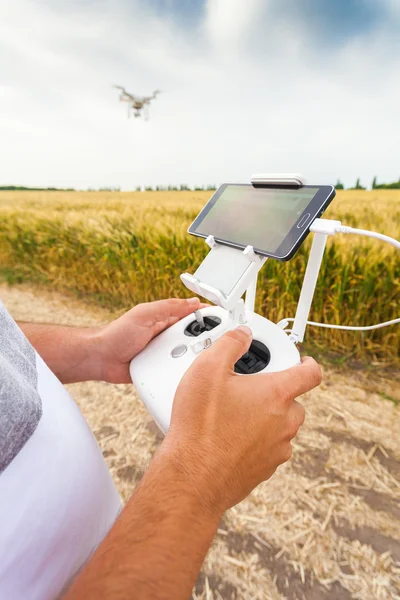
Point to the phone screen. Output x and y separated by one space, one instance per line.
261 217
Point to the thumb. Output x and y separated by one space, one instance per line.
231 346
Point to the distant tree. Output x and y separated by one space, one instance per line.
358 186
374 183
198 188
183 187
388 186
148 188
138 188
339 185
211 188
172 188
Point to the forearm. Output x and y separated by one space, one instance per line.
157 546
72 353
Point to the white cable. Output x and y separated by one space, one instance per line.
285 322
372 234
328 227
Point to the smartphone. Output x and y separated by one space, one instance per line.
274 221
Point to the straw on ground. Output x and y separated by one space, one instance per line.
325 527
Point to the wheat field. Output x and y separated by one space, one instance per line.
122 248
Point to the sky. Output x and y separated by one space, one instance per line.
249 86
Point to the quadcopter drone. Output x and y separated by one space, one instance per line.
137 104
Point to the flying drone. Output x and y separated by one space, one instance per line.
137 104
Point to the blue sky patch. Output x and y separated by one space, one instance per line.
185 10
336 19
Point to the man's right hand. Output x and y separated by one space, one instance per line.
229 432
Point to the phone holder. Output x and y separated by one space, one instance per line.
224 276
227 272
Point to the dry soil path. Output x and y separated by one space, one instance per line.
325 527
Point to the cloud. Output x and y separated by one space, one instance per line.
231 21
245 91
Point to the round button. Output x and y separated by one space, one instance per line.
303 220
179 351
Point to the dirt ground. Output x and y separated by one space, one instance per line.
325 527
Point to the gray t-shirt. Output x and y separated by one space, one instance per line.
57 498
20 403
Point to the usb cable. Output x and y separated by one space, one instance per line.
327 227
332 227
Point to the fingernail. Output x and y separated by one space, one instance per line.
194 300
245 329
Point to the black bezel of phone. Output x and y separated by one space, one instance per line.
296 235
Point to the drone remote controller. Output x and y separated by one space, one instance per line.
158 369
222 278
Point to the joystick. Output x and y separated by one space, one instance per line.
256 359
201 324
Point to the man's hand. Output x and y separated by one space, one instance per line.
125 337
229 432
93 353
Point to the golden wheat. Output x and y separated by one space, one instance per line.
123 248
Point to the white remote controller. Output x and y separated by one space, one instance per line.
157 371
224 276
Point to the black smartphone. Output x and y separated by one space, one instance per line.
274 221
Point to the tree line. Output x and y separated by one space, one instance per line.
147 188
184 187
21 188
375 186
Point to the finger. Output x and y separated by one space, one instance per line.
293 382
231 346
175 308
179 311
299 412
296 415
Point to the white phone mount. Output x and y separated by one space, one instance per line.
227 272
224 276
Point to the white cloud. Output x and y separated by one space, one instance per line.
244 92
231 20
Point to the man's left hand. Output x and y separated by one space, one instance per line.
124 338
